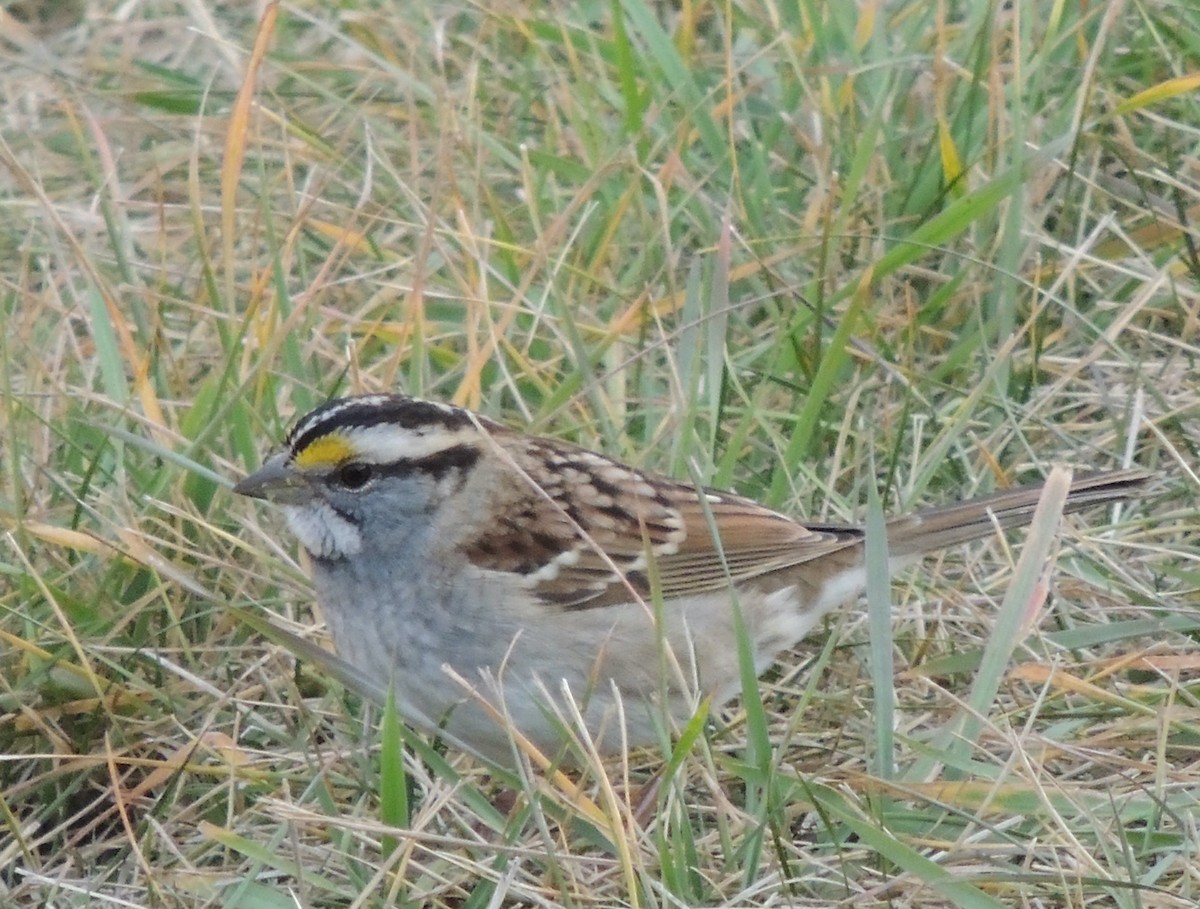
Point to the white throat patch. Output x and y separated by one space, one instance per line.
322 531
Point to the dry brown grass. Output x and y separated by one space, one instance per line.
754 256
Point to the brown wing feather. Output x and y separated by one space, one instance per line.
586 530
754 541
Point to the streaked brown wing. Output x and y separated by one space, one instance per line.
592 532
754 541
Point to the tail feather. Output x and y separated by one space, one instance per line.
949 525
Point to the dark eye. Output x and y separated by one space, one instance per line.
354 475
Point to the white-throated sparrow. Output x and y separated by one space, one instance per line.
463 561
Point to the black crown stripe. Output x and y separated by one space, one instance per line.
372 410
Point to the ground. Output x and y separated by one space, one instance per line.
815 253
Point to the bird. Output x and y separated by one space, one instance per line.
506 587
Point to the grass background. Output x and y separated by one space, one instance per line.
811 251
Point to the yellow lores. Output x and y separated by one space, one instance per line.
327 451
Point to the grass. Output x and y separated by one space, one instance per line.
819 253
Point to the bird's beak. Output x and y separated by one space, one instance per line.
276 481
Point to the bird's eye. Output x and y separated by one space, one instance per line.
354 475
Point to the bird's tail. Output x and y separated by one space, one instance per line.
949 525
